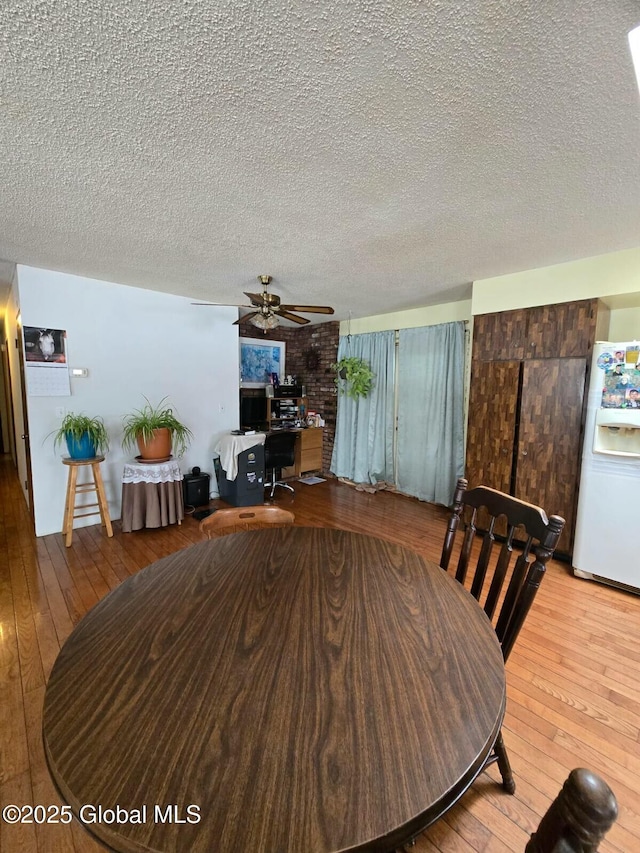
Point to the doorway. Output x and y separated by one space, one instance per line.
21 422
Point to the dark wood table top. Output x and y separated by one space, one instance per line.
308 689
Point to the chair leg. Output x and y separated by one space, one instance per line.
508 782
69 506
282 486
103 506
273 482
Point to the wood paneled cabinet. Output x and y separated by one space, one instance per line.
529 377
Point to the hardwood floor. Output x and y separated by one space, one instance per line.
573 677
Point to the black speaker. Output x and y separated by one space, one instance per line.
195 489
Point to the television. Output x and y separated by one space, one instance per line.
253 412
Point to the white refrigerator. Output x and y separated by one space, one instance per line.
606 545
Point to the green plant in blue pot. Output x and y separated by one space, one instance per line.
85 437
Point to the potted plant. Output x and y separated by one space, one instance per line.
85 437
354 376
155 430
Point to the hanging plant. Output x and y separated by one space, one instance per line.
354 376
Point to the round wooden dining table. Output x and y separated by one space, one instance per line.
299 689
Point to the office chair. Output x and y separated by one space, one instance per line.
279 452
520 578
237 519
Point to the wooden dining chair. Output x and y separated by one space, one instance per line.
237 519
508 568
576 821
579 817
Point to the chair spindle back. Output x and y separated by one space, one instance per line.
514 590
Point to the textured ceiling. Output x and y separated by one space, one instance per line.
374 155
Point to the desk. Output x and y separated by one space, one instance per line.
308 452
306 688
151 495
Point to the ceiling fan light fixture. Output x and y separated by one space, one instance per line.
265 321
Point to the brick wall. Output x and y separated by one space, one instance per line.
310 352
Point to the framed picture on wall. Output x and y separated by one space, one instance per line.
259 360
46 346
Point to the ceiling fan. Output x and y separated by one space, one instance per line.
270 309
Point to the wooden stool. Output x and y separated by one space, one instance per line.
73 489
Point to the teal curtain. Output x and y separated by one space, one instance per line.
363 446
431 411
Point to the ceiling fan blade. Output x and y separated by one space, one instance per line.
308 309
255 298
300 320
260 299
245 318
221 305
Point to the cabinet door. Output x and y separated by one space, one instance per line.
493 397
550 438
561 331
500 337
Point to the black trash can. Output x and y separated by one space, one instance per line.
195 488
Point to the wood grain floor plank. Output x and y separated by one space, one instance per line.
28 649
18 837
83 841
73 578
111 570
444 837
56 837
576 698
58 611
584 678
604 732
14 754
110 550
47 642
467 825
37 591
502 826
81 560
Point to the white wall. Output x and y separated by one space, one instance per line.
134 343
599 277
433 315
624 324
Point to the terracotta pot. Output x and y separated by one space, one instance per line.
159 447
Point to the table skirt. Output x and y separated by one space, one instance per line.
151 505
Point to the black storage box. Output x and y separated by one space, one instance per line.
248 487
290 391
195 489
